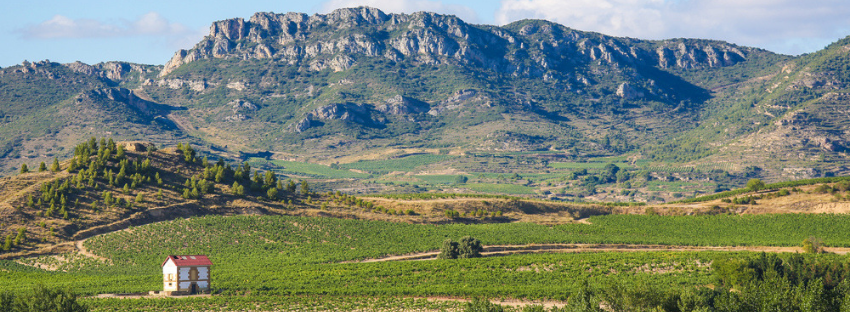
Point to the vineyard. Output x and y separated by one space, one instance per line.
244 246
404 164
308 169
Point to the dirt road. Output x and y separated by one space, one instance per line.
503 250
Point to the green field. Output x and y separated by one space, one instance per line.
511 189
309 169
257 256
404 164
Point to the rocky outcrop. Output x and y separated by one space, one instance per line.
125 96
357 113
115 72
401 105
626 91
318 42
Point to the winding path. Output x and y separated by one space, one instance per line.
83 251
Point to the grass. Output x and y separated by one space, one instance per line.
315 170
405 164
500 188
582 165
438 179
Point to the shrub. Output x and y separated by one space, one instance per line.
755 185
813 245
448 250
469 247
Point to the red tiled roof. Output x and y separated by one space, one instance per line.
189 260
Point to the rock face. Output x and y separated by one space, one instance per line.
335 40
400 105
115 72
626 91
357 113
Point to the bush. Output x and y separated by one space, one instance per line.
469 248
755 185
448 250
813 245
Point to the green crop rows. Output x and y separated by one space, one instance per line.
281 255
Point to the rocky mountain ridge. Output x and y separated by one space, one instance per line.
358 79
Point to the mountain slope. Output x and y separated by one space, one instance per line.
358 81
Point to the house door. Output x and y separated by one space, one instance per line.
193 288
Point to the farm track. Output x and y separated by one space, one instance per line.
504 250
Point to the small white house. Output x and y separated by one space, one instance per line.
186 274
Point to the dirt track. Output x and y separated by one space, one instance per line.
503 250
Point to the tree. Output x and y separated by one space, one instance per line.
469 248
755 185
45 299
461 179
270 179
119 154
188 153
24 168
73 165
140 198
609 173
272 193
21 237
8 245
290 187
813 245
55 166
237 189
448 250
305 188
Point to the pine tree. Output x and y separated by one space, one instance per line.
21 237
24 168
55 166
8 245
73 165
140 198
305 188
272 193
270 179
120 152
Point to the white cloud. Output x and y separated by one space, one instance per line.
786 26
151 24
406 6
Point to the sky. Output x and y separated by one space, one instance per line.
151 31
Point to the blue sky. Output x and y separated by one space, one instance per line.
151 31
